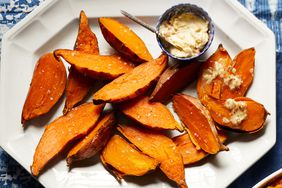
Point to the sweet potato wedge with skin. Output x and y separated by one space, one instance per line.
133 83
105 67
47 86
150 114
94 141
78 85
124 40
188 150
243 66
198 122
212 87
86 40
174 79
124 159
159 147
255 114
65 129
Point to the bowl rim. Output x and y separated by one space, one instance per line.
210 32
271 177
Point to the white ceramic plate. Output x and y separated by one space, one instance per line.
54 25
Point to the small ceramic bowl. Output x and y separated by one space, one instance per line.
267 180
186 8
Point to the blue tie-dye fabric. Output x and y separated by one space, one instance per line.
270 12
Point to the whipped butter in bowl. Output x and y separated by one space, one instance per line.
188 28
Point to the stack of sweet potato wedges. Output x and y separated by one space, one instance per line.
131 138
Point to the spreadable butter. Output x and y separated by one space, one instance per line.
187 31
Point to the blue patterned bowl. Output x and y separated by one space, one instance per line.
186 8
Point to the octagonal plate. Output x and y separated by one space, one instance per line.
54 25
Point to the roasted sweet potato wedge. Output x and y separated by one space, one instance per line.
188 150
86 40
150 114
222 78
105 67
133 83
78 85
159 147
123 159
47 86
94 141
242 71
65 129
174 79
124 40
199 123
210 77
240 114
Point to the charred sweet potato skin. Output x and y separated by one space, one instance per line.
94 141
150 114
65 129
106 67
159 147
256 114
188 150
124 159
198 122
111 27
78 85
133 83
174 79
47 86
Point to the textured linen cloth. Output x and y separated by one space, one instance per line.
270 12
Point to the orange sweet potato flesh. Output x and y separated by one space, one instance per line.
198 121
124 40
213 88
150 114
86 40
105 67
47 86
159 147
133 83
61 132
94 141
188 150
78 85
254 121
219 88
174 79
244 64
123 159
